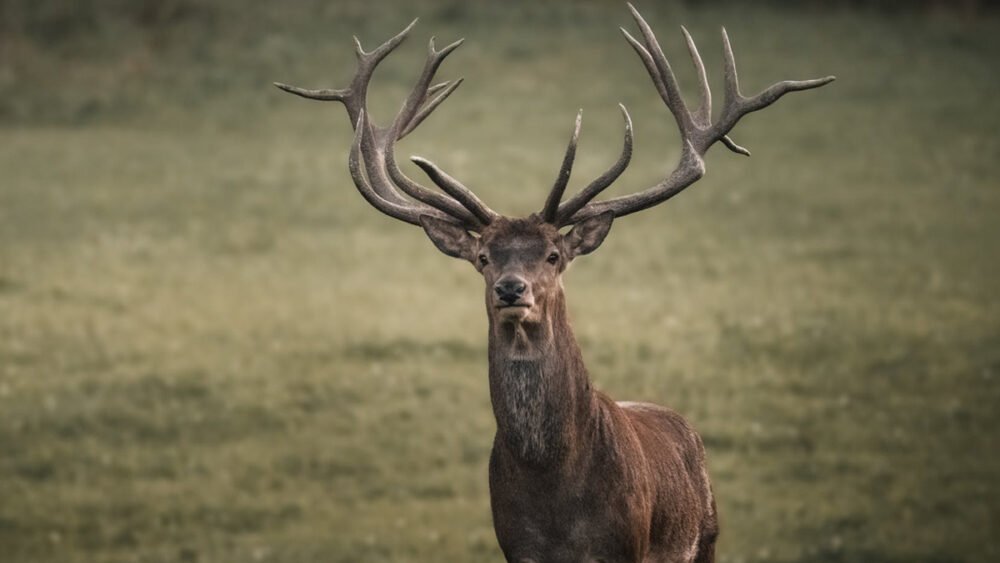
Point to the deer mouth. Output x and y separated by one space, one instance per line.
516 310
513 312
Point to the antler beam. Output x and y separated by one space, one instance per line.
698 133
372 161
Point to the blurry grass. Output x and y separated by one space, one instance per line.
212 350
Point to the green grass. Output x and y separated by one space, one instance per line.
211 349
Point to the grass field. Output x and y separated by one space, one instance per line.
211 349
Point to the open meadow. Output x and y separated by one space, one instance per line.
213 350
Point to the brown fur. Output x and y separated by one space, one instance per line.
574 476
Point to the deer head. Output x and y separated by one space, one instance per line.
522 259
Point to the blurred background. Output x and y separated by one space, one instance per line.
212 349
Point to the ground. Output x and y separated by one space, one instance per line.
211 349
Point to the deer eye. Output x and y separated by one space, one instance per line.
483 260
553 258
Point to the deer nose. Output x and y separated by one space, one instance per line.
510 289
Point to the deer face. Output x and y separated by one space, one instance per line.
521 260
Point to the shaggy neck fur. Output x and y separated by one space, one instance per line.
539 386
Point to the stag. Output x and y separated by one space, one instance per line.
574 476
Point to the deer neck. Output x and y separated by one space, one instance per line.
539 387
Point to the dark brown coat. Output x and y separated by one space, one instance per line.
574 476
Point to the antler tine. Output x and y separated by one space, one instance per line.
421 90
420 193
575 203
438 87
325 95
698 133
383 50
549 211
665 74
647 61
732 78
731 145
703 115
775 91
432 105
455 189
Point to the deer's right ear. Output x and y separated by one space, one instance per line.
450 238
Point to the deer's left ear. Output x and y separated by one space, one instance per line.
450 238
588 234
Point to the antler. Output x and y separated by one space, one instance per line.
698 133
372 160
